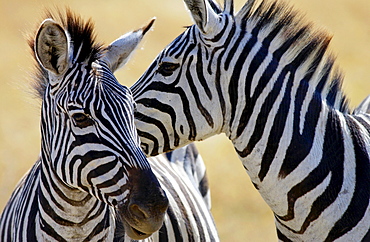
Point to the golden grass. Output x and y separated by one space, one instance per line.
240 213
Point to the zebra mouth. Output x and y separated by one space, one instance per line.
136 234
131 228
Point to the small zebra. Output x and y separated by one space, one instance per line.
264 77
92 181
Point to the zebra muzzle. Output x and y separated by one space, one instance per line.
145 210
139 224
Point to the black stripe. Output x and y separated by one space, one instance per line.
163 108
50 231
326 70
331 162
187 111
219 90
163 233
263 81
62 137
93 213
161 87
191 235
146 76
218 36
99 227
266 108
234 82
276 130
145 147
233 49
159 125
195 94
218 69
282 237
185 43
47 182
204 185
360 199
175 225
257 134
366 238
363 122
301 144
33 205
200 74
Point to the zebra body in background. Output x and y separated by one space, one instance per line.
264 78
92 181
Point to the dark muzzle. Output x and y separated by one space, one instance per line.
147 205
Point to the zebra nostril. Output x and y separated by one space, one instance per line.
138 212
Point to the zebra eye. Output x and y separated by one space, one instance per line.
82 120
167 68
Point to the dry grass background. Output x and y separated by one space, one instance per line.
240 213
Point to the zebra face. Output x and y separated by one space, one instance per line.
88 130
178 98
94 115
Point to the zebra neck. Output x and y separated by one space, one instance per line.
299 152
68 214
277 110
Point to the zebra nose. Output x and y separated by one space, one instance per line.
146 211
138 212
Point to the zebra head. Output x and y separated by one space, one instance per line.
89 140
189 65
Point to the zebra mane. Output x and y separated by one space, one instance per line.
82 39
275 20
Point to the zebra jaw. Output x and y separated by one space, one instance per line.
134 233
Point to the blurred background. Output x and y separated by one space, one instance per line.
239 211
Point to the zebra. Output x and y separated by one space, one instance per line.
265 78
92 181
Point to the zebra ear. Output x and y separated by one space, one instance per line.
203 14
119 51
51 47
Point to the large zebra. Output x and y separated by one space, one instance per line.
265 79
92 181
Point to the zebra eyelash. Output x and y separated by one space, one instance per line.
81 119
167 68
